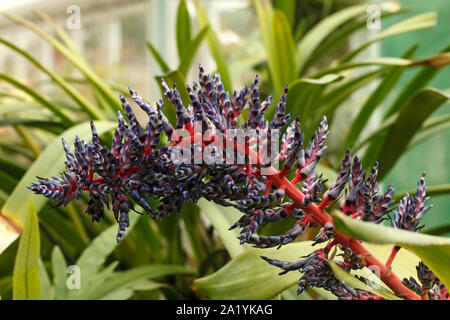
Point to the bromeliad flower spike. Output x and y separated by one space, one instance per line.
219 163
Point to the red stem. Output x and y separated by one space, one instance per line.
322 217
394 252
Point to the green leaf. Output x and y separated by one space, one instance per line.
279 44
59 268
300 30
248 56
264 11
123 294
434 190
183 28
8 182
291 294
66 119
96 253
29 107
97 282
14 211
127 279
382 61
14 148
11 166
419 81
425 135
333 98
214 45
404 265
222 218
189 51
376 134
191 218
78 62
288 8
148 285
60 32
372 151
421 21
26 280
409 120
353 282
57 222
46 125
248 277
436 231
312 40
430 128
151 236
28 139
170 230
46 287
84 103
305 93
284 71
342 34
162 63
375 100
433 251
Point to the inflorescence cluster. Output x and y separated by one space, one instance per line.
139 169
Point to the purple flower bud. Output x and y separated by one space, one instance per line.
411 209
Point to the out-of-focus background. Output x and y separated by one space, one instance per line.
133 43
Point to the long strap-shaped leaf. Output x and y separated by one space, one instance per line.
434 251
410 119
421 21
279 43
214 46
121 280
73 58
96 253
345 31
66 119
375 100
84 104
189 51
419 81
283 51
304 95
26 283
183 27
162 63
61 33
316 35
222 218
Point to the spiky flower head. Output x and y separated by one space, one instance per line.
214 156
411 209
